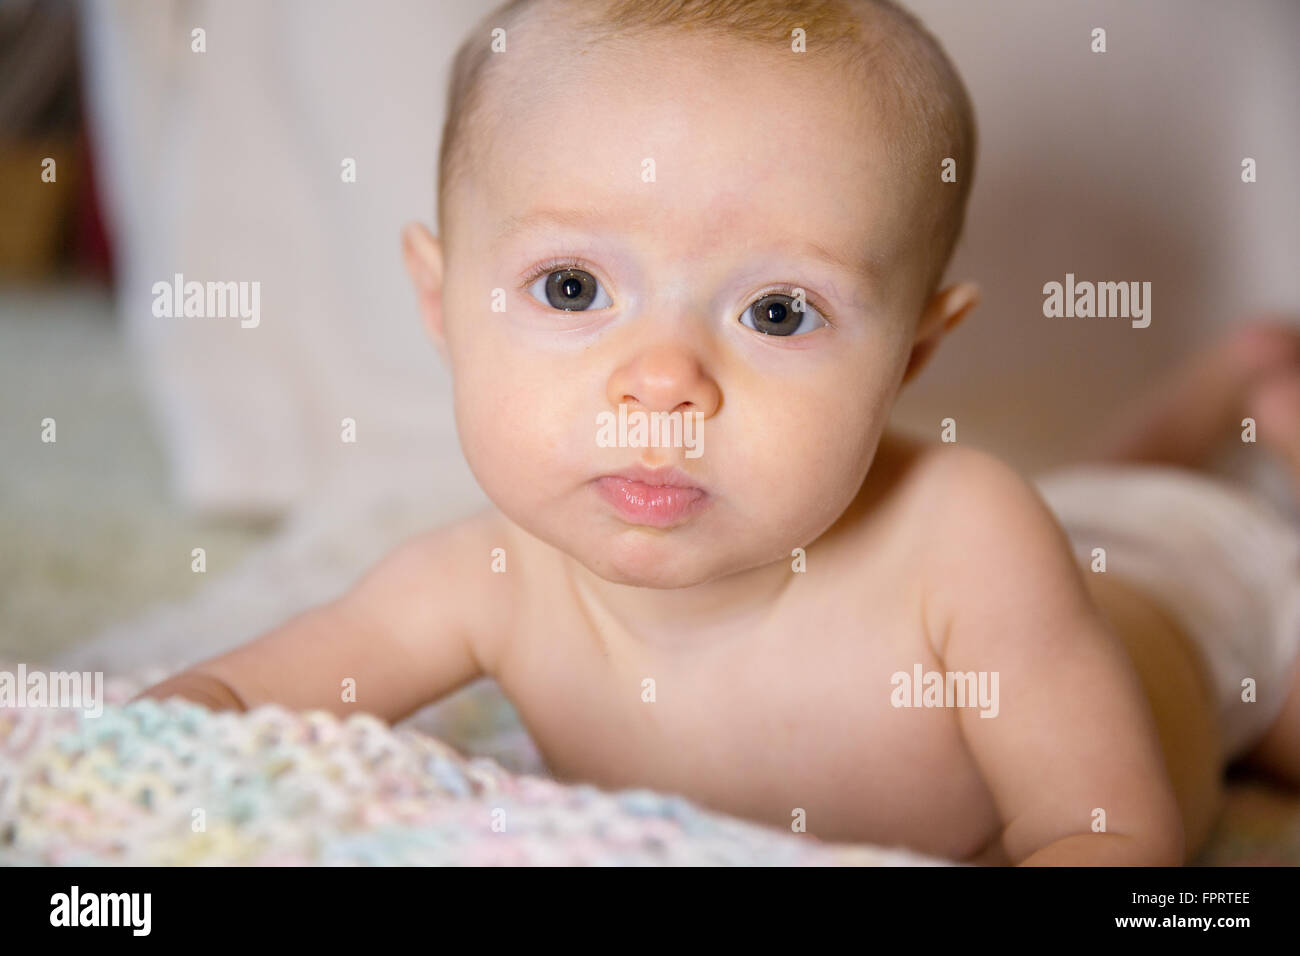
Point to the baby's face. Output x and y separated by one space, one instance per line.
650 215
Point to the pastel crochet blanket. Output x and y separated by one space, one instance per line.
149 783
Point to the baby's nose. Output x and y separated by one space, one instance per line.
665 380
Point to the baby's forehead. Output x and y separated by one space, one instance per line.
857 131
688 122
670 70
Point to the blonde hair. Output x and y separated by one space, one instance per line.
875 43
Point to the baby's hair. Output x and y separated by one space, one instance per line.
875 43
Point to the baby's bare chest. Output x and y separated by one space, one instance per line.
797 721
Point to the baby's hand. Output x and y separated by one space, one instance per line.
197 687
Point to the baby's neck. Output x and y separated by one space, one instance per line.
680 618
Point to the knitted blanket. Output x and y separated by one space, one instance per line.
170 783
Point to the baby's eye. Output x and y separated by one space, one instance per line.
779 314
572 290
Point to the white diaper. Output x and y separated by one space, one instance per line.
1220 558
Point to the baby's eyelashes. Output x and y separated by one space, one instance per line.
776 313
570 290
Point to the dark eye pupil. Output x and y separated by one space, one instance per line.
773 316
570 289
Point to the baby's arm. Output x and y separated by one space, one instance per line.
1074 733
409 632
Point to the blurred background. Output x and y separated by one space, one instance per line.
225 164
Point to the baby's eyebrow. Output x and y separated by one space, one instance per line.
575 218
862 267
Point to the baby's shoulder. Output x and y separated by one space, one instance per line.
991 540
449 579
948 488
985 496
978 514
452 547
935 505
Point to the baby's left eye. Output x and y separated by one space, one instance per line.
779 314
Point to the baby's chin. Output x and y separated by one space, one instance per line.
664 559
618 569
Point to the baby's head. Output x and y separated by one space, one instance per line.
733 210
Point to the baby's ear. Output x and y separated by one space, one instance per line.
422 253
942 314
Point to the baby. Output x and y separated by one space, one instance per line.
731 218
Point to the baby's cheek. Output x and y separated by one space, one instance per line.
817 452
485 422
816 429
511 438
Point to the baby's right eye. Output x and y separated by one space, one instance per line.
572 290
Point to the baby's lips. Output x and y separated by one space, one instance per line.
658 477
651 505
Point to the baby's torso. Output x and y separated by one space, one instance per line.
791 714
